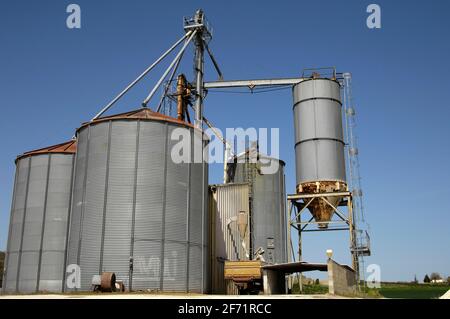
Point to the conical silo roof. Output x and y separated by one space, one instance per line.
69 147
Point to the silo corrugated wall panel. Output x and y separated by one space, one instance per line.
28 269
16 227
52 271
149 206
32 232
137 203
38 225
195 262
147 265
174 273
205 229
56 219
176 197
225 203
77 199
268 216
268 207
195 220
120 199
319 144
93 203
12 264
176 220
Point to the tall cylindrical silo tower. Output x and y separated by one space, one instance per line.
135 211
319 143
39 219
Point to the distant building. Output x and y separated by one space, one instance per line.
437 281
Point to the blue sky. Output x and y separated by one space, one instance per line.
53 78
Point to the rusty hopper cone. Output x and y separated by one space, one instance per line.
319 208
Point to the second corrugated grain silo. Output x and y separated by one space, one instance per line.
39 219
266 181
135 211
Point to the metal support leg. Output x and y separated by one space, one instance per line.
353 246
300 253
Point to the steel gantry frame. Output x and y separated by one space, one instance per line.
298 205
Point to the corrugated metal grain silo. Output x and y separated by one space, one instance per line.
135 212
39 219
268 226
319 143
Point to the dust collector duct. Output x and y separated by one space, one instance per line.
38 224
135 212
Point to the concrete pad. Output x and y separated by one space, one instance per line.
445 296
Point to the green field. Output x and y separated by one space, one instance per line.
310 289
412 291
387 290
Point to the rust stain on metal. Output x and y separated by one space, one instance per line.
69 147
181 105
142 114
319 208
108 281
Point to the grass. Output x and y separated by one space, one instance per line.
412 291
310 289
387 290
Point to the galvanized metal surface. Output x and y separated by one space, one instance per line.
63 148
135 212
226 202
251 83
268 206
199 66
38 225
319 144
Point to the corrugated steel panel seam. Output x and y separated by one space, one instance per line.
83 207
66 251
163 232
43 222
188 217
10 229
19 263
133 218
105 197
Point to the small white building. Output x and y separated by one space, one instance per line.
437 281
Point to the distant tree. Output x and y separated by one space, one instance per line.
448 280
317 281
435 276
426 279
415 281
